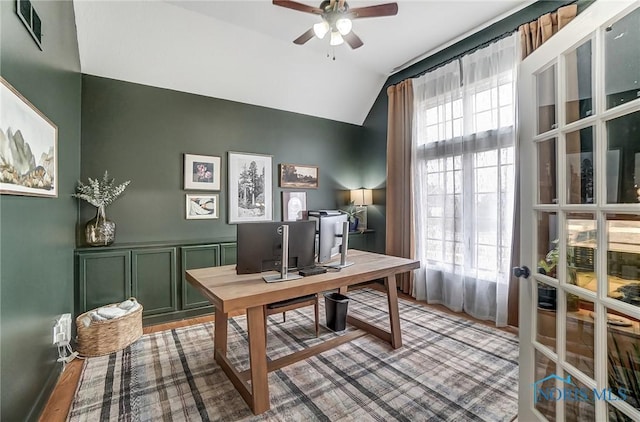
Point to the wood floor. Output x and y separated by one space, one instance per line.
60 400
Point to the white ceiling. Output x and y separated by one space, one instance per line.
243 50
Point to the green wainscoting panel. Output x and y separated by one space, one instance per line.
153 280
103 278
201 256
228 253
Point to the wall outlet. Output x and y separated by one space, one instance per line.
62 330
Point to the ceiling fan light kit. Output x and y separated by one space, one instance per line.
337 18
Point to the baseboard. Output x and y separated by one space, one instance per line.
176 316
43 397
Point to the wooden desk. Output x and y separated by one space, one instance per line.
230 292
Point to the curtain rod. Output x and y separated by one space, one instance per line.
475 48
464 53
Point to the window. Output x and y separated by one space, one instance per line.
463 180
469 178
489 108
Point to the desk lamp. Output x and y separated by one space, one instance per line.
361 198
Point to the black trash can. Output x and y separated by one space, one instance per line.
335 308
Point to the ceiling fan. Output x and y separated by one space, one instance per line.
336 19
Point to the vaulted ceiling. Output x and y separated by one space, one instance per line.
243 50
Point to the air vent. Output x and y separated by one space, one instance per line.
31 20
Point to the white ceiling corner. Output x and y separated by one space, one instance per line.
243 50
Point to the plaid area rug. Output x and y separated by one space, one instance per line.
449 369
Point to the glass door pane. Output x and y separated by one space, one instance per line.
623 159
546 83
579 407
545 367
578 83
623 257
581 250
547 243
580 166
547 182
622 60
580 334
623 370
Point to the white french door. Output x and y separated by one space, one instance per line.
579 161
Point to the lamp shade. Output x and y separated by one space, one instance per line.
361 197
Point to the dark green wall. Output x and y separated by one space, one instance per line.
375 125
140 133
37 234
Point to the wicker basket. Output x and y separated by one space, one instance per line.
104 337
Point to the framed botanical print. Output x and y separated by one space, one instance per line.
28 147
201 172
250 187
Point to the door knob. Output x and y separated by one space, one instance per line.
523 271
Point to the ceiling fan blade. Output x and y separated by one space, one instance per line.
304 37
388 9
353 40
298 6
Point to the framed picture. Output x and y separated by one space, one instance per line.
201 207
293 204
28 147
250 187
201 172
298 176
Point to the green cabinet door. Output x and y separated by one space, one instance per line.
154 279
364 241
228 253
357 241
103 278
201 256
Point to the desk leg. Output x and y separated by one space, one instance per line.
258 360
220 334
343 290
394 315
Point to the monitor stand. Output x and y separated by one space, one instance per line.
284 274
345 246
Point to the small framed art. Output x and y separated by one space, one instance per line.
293 204
200 207
298 176
201 172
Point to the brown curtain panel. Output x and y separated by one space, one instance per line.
399 238
536 33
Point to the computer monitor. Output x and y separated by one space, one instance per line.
329 225
260 246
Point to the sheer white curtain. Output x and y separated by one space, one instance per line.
463 180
